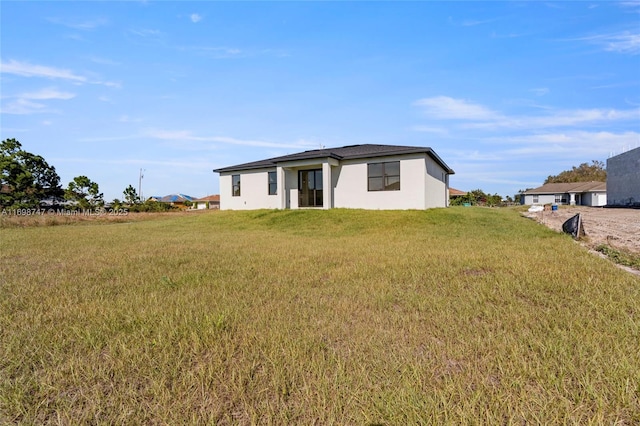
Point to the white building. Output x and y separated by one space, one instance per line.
574 193
356 176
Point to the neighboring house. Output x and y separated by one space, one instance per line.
356 176
623 179
208 202
456 193
574 193
177 200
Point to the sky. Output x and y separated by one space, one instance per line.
506 93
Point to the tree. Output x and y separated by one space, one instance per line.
84 192
595 172
477 197
131 196
25 178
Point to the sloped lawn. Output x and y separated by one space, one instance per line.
459 315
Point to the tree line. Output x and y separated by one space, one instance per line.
28 181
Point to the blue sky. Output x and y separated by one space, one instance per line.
506 93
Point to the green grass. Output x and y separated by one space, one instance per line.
455 316
620 256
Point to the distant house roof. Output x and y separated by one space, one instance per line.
342 153
175 198
214 198
566 188
456 192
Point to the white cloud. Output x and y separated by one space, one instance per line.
541 91
623 42
214 52
578 138
444 107
559 119
48 93
476 116
80 25
103 61
195 18
23 106
187 136
113 84
145 33
430 129
127 119
23 103
28 70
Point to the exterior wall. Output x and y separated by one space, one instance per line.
623 179
582 199
436 186
594 199
542 199
254 191
423 184
200 205
350 190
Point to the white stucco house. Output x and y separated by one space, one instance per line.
574 193
356 176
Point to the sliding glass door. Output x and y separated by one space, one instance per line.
310 188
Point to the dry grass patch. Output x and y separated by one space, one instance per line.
327 317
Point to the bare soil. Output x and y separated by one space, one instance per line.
618 228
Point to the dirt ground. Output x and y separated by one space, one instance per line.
619 228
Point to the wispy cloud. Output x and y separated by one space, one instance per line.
145 33
127 119
625 42
476 116
553 119
214 52
103 61
26 69
85 25
48 93
472 22
444 107
22 106
430 129
29 70
195 18
187 136
570 144
24 103
475 22
540 91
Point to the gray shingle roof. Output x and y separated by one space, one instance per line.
563 188
341 153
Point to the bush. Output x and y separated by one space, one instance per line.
151 206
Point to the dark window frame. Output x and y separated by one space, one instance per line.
272 184
235 185
385 179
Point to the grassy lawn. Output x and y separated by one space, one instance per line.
459 315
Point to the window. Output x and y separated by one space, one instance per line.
535 199
235 185
384 176
273 183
